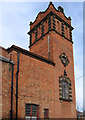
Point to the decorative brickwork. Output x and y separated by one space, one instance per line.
63 93
64 59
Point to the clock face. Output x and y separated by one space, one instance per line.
64 59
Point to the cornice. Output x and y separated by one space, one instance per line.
50 13
47 33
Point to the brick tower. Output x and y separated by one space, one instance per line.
51 37
40 83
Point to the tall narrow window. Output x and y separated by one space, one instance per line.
46 113
31 112
62 28
42 28
58 26
49 23
66 32
30 38
70 33
54 22
36 35
65 90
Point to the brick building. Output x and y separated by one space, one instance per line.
40 83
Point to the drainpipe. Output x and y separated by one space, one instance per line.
17 85
12 92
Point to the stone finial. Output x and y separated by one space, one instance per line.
30 22
50 2
69 18
60 9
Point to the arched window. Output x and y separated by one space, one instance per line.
65 91
31 112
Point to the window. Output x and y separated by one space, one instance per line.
42 28
58 26
46 113
62 28
65 90
54 22
31 112
49 23
70 33
30 38
36 35
66 32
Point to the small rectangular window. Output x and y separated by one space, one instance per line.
46 113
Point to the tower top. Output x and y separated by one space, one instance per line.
58 13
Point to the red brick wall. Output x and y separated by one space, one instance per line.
35 85
39 84
66 108
41 47
6 90
5 86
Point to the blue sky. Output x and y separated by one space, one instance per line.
14 25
